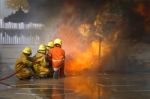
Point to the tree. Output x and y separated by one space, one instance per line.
17 4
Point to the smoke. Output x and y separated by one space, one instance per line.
132 33
125 24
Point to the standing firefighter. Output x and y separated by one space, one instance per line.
50 45
24 64
58 58
41 62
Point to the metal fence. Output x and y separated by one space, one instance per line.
20 26
20 33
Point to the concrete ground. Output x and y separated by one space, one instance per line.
99 86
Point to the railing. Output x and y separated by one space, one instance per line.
19 26
20 33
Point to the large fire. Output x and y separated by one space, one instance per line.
84 49
84 59
81 54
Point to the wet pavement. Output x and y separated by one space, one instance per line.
93 86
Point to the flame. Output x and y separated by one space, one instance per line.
84 59
88 58
84 29
82 48
81 54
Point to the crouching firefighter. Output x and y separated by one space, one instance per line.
40 67
24 64
57 54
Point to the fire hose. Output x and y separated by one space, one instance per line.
11 75
5 84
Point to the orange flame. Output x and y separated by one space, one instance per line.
81 54
84 29
84 59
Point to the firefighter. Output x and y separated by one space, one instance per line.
50 45
58 58
24 65
41 63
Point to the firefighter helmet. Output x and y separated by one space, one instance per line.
42 47
58 41
51 44
27 50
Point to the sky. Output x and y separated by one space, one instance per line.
4 11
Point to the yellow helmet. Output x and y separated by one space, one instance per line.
27 50
42 47
51 44
58 41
